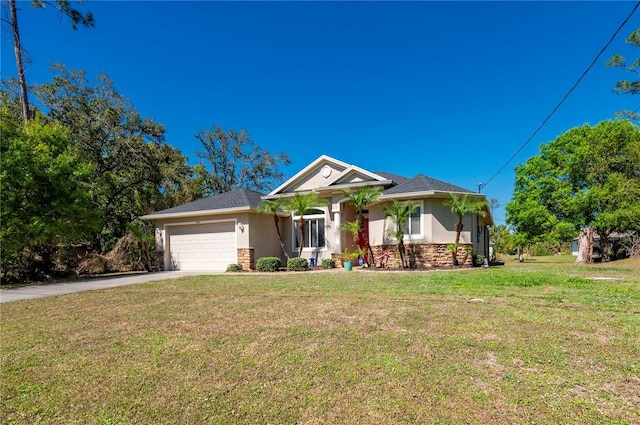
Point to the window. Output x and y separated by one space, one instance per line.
314 230
413 227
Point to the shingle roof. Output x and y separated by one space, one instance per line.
422 183
237 198
393 177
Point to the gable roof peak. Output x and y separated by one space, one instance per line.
326 159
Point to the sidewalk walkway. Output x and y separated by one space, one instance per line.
71 286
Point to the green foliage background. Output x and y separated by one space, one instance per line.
588 176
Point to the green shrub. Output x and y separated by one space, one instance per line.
268 264
234 268
328 263
478 260
297 264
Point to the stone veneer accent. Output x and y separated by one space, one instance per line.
423 256
159 263
246 258
337 259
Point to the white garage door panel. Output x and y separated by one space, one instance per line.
203 246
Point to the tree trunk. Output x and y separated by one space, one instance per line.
17 48
454 252
301 226
401 251
454 255
276 221
604 245
459 227
369 260
365 239
585 246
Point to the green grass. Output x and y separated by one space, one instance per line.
533 342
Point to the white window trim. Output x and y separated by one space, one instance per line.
307 217
409 237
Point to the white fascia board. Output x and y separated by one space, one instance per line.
408 195
196 213
306 169
428 193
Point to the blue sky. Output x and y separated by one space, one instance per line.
447 89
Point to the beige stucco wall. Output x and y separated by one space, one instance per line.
378 226
346 238
329 234
253 230
314 179
352 178
263 237
444 225
257 231
438 225
163 230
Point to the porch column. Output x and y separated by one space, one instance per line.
337 246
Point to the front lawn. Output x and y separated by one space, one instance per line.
533 342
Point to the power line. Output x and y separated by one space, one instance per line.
566 95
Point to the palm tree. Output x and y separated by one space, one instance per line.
353 228
144 237
361 199
400 213
463 205
272 207
298 205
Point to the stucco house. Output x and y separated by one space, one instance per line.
211 233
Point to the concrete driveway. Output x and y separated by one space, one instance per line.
71 286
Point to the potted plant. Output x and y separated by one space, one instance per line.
347 259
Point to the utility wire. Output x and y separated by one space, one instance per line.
565 96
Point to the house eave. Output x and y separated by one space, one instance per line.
435 194
328 190
424 193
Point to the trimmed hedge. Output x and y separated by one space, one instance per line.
268 264
298 264
328 263
234 268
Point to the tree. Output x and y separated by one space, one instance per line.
144 237
352 227
502 239
462 206
236 163
628 86
587 177
298 205
75 17
45 196
273 206
400 212
135 171
361 198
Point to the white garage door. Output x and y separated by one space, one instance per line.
203 246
